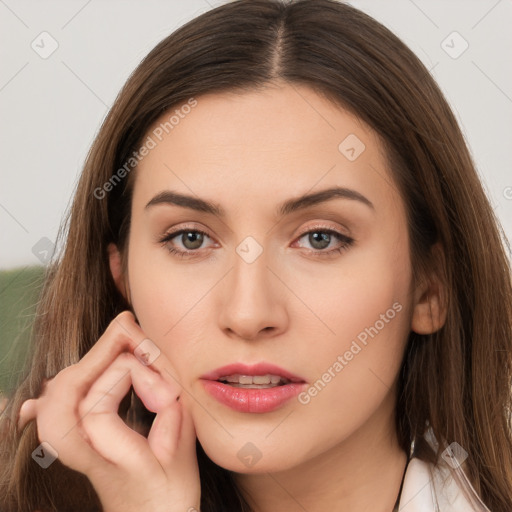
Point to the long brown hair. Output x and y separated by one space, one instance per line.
458 380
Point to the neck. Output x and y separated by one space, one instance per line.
362 473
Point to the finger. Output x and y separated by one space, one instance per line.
172 439
186 450
57 424
28 409
122 334
28 412
163 438
113 439
149 354
110 387
188 433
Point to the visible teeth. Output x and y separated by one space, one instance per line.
260 379
257 380
254 386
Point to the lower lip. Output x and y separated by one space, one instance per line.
252 400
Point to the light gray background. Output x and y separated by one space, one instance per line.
52 108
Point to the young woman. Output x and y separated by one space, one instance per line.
282 288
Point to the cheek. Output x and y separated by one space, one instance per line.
354 298
353 367
172 306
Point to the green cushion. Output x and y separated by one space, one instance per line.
19 292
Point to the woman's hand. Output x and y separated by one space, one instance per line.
77 414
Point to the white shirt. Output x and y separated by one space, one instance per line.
441 488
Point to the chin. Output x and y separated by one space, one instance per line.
246 457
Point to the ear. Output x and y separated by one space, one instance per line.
430 297
116 268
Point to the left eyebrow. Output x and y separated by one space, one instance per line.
289 206
307 200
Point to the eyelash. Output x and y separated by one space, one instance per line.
346 242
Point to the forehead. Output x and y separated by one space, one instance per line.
283 140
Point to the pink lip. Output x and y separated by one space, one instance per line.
253 369
252 400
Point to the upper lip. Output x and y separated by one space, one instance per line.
251 369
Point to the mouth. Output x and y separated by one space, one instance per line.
255 388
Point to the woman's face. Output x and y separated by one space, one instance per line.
321 289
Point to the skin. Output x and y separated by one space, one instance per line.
248 153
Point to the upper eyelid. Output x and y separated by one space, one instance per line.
175 232
346 241
179 231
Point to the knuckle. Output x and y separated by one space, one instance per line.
122 319
82 409
63 383
125 359
90 406
86 413
126 314
66 374
120 327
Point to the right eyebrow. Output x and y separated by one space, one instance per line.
185 201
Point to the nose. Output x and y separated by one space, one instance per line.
253 301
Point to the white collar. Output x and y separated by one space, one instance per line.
440 488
